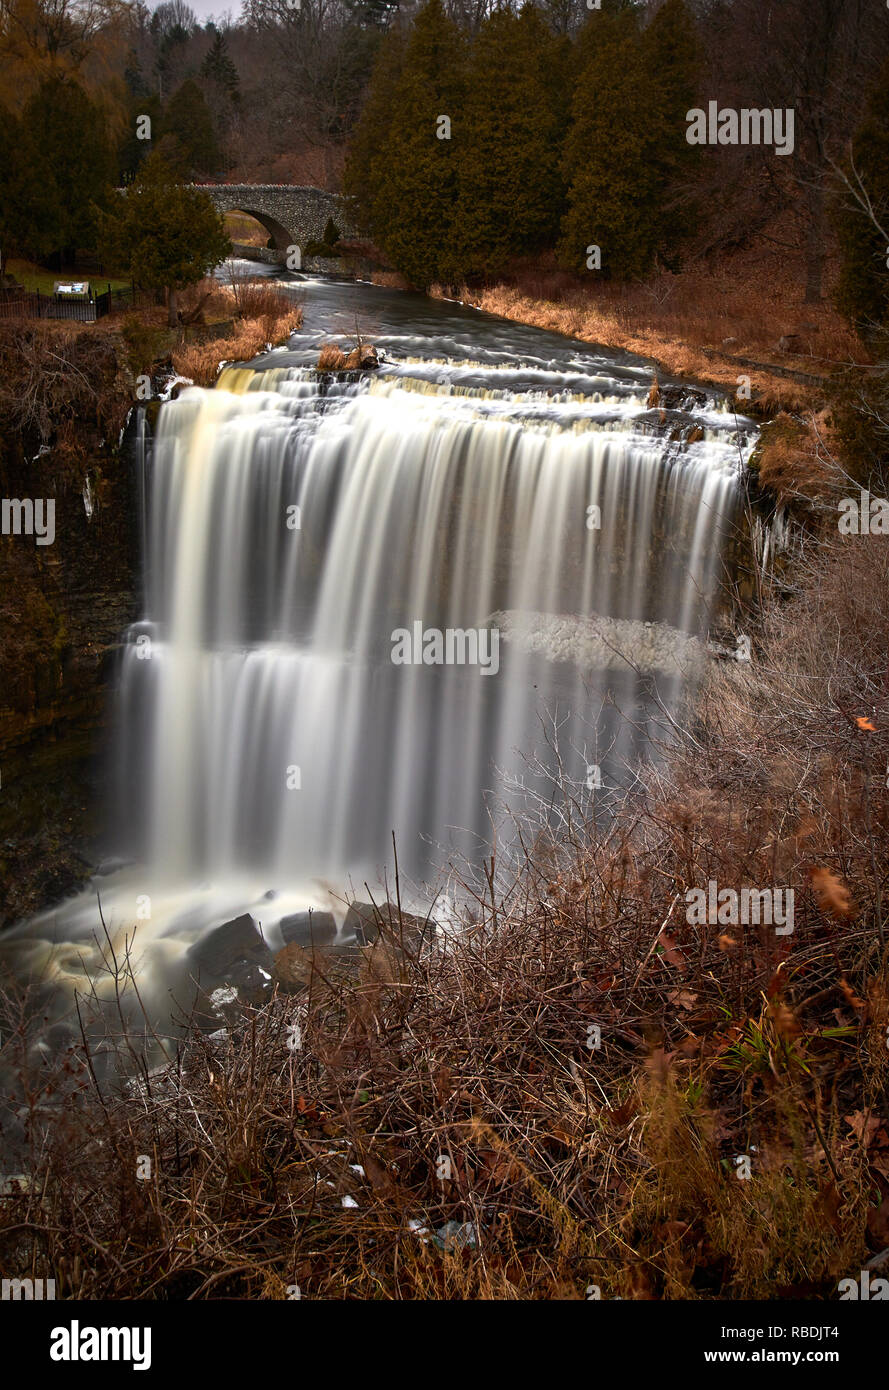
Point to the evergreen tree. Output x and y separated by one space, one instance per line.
219 69
26 208
368 163
141 101
609 161
510 184
74 165
188 122
862 291
167 234
672 59
413 183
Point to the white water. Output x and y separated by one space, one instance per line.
455 492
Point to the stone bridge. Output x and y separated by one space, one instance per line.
291 215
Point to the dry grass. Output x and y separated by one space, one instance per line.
331 358
200 361
457 1083
692 324
56 374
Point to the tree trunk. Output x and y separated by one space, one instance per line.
172 308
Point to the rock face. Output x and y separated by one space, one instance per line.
62 610
309 928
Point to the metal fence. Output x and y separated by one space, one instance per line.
19 303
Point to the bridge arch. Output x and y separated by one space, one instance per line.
292 214
280 237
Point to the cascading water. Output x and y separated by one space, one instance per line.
533 505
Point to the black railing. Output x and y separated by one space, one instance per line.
21 303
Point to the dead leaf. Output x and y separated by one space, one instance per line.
683 997
624 1112
864 723
863 1126
832 894
670 953
852 997
828 1204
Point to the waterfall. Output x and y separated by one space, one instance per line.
296 524
393 604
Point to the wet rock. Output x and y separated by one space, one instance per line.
681 397
253 983
309 928
233 944
365 921
362 358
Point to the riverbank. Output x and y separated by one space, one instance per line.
743 327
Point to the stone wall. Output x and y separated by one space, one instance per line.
291 214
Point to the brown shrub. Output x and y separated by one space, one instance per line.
201 361
331 358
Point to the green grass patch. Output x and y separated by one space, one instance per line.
37 277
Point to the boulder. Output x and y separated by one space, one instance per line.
309 928
362 358
681 397
364 921
253 982
235 943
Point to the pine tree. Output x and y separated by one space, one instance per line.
511 188
366 175
189 123
74 164
862 290
167 234
219 69
609 157
414 212
671 52
27 207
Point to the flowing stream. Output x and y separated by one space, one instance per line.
492 494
